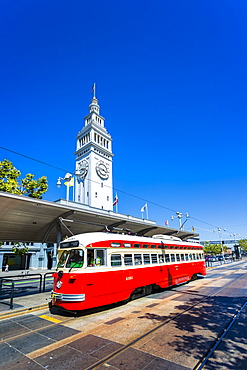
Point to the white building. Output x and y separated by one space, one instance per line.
93 185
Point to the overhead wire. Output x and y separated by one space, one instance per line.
115 189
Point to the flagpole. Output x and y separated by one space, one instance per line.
94 89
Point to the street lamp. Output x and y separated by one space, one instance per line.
179 216
69 181
220 237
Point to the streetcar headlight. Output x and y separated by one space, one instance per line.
59 284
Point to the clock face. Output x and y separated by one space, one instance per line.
83 168
102 170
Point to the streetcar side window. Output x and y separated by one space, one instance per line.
137 245
182 257
95 257
167 257
115 245
138 259
145 245
161 258
154 258
99 256
186 257
194 256
90 257
127 245
116 260
172 257
128 260
178 257
146 258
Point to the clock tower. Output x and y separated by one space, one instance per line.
93 185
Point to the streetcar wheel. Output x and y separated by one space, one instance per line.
194 277
148 289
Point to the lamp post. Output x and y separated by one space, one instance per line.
69 181
220 237
179 216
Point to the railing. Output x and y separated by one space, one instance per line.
26 276
9 281
44 280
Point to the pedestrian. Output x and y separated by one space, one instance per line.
6 268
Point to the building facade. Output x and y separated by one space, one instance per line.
39 256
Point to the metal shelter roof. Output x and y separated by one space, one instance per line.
34 220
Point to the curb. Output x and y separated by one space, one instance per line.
7 314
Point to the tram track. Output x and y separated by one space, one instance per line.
33 355
202 362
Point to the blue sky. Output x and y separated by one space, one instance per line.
171 83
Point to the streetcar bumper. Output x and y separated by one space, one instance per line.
67 297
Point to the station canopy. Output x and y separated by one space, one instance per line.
24 219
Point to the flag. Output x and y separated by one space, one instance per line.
144 207
70 182
92 89
115 200
167 223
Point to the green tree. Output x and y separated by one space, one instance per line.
10 182
243 244
34 188
20 249
9 177
213 248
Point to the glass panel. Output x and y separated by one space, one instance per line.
115 245
178 257
138 259
161 258
75 259
154 258
167 256
128 259
90 257
136 245
116 260
182 257
172 257
127 245
153 246
186 257
62 259
99 257
146 258
68 245
145 245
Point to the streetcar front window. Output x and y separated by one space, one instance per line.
62 259
75 258
72 258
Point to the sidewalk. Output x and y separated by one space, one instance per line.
30 302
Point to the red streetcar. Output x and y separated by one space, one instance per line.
97 269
